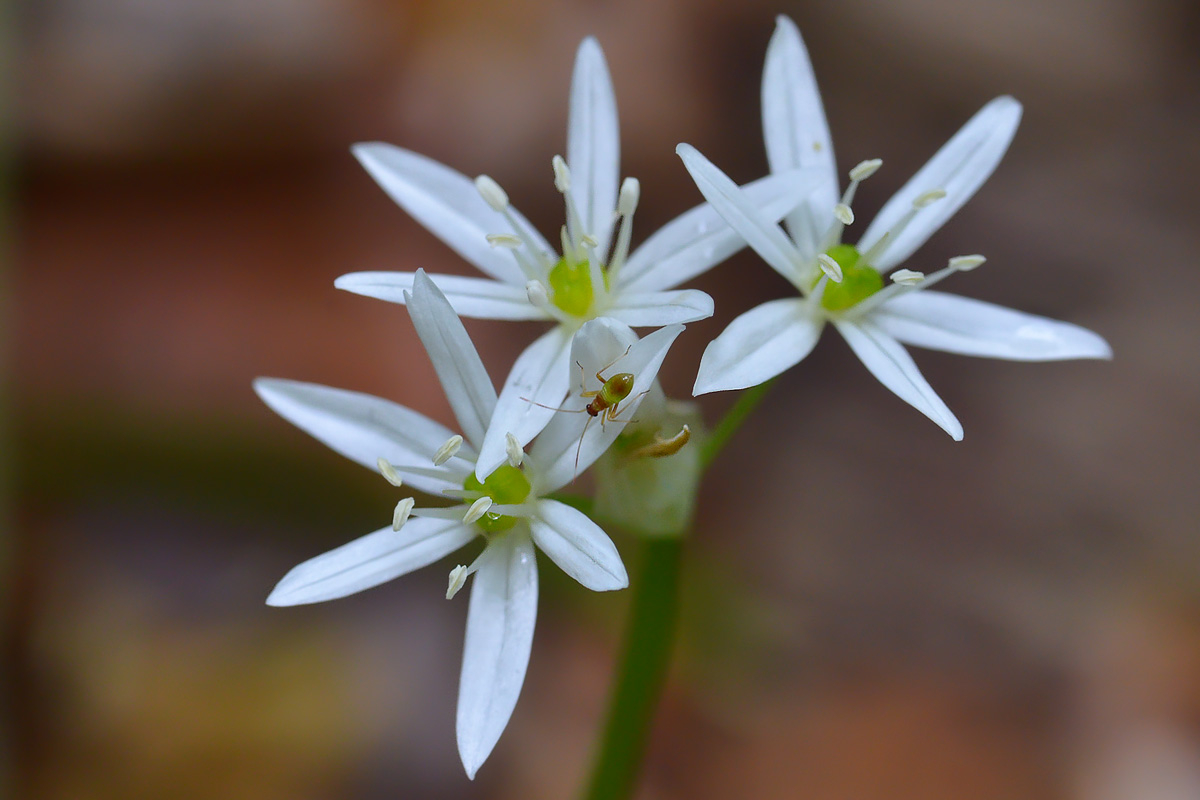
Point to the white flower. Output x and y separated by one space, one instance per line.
595 276
843 284
510 510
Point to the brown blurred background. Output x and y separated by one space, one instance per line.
872 611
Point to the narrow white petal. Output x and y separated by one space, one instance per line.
796 133
572 441
469 297
593 143
360 426
890 363
760 232
500 622
758 345
651 309
579 546
699 239
447 203
539 378
956 324
959 168
370 560
457 363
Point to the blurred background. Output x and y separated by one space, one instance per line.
871 610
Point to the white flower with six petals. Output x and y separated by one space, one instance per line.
510 509
528 280
843 284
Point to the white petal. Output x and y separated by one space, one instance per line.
572 441
496 652
457 363
371 560
651 309
469 297
959 168
361 427
593 143
539 378
891 364
757 346
699 239
447 203
972 327
796 133
579 546
760 232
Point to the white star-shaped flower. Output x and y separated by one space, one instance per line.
510 510
843 284
595 275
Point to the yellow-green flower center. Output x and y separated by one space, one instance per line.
506 486
859 281
571 286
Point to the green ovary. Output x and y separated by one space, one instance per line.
506 486
571 287
858 281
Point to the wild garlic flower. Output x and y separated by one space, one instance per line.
844 284
510 510
595 275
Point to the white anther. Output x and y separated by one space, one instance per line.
516 454
389 472
865 169
925 198
448 450
587 240
506 240
830 267
477 510
400 515
631 191
907 277
966 263
843 214
562 174
492 194
458 577
536 292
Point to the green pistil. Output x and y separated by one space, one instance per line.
506 486
858 281
571 286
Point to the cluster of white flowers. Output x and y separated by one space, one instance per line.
520 446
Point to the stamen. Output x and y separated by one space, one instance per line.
843 213
477 510
830 267
907 277
926 198
458 577
400 515
631 191
516 454
865 169
660 448
587 240
448 450
389 472
562 174
537 294
966 263
568 247
505 240
492 194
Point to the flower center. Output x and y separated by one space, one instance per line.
506 486
859 281
571 286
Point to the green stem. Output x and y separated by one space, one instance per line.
643 669
746 403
